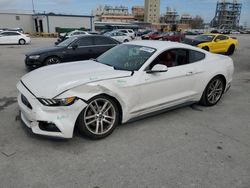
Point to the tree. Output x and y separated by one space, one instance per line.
197 22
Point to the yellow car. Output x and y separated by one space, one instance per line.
216 43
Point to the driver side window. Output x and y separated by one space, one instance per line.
171 58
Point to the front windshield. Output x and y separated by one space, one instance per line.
126 57
204 38
67 42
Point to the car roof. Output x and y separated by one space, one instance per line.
162 45
83 36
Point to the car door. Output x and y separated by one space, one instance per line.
2 38
81 49
102 44
176 86
13 37
6 38
219 43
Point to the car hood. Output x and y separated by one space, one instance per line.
44 50
50 81
193 42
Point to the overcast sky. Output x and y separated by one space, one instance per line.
204 8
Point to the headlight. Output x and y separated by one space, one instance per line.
58 102
34 57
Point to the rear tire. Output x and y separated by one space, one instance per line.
205 48
230 50
126 40
21 42
99 119
213 92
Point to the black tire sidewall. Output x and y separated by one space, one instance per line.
205 48
46 61
21 41
204 100
84 130
230 50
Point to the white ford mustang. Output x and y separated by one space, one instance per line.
129 81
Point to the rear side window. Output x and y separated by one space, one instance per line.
103 41
195 56
222 37
86 41
10 34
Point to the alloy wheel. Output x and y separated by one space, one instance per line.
53 60
215 91
100 116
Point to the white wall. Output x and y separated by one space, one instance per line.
68 22
8 20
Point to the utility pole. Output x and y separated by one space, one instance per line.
33 7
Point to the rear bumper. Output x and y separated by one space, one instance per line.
48 121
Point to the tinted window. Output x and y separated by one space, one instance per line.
222 37
10 33
103 41
124 31
171 58
195 56
86 41
76 33
205 37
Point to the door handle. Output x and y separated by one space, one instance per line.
189 73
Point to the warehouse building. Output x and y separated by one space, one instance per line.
31 23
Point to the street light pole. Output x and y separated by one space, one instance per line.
33 7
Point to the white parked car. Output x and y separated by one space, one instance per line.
121 37
234 32
74 33
129 32
14 37
132 80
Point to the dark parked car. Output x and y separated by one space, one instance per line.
72 49
150 35
172 36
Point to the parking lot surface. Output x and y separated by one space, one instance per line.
192 146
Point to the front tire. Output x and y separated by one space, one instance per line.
99 119
52 60
205 48
126 40
213 92
21 42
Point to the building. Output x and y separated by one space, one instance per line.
186 19
171 16
152 11
17 20
227 14
43 22
112 14
138 13
50 22
114 18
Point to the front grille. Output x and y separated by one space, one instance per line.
25 101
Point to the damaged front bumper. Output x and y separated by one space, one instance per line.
49 121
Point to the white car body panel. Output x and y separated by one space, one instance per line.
14 39
138 94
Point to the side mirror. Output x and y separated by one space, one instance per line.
56 43
73 46
158 68
217 40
